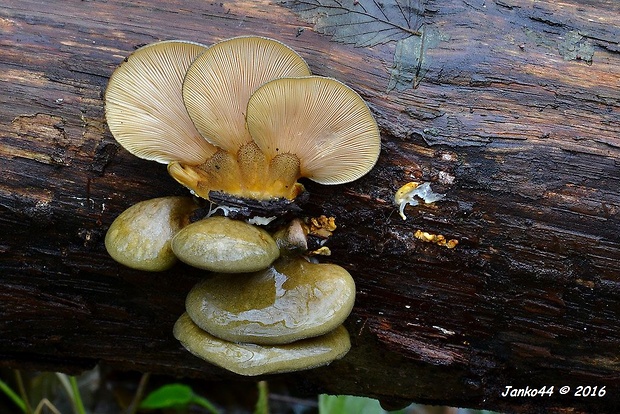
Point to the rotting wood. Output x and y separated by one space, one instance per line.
519 132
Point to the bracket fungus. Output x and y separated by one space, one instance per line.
251 131
140 236
239 123
144 106
284 318
250 359
223 245
289 301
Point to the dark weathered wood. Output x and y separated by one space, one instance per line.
525 143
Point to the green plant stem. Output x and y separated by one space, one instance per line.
262 405
135 403
77 398
12 396
22 391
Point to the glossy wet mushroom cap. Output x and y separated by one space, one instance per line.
220 244
144 104
140 236
250 359
325 124
291 300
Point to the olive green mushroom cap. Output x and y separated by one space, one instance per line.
144 104
140 236
220 244
291 300
250 359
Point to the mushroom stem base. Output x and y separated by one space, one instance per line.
246 174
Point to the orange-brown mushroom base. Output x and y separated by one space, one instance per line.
246 174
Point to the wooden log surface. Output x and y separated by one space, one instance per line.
515 117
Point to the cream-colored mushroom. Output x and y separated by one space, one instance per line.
219 84
144 104
263 121
251 359
216 90
313 127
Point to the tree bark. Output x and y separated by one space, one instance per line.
515 117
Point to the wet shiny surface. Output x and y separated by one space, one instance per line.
220 244
292 300
251 359
140 236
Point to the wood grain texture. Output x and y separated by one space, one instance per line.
521 134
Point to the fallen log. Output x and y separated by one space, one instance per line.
510 108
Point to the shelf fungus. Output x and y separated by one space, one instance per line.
220 244
238 123
407 195
250 359
289 301
286 317
140 236
251 132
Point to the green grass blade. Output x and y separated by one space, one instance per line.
77 398
262 405
12 396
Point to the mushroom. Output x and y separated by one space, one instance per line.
251 359
216 91
140 236
219 83
221 244
144 104
291 300
313 127
259 121
293 238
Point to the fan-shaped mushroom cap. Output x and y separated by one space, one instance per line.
291 300
144 104
219 83
326 124
140 236
251 359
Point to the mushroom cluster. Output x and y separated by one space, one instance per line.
244 117
283 318
242 121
